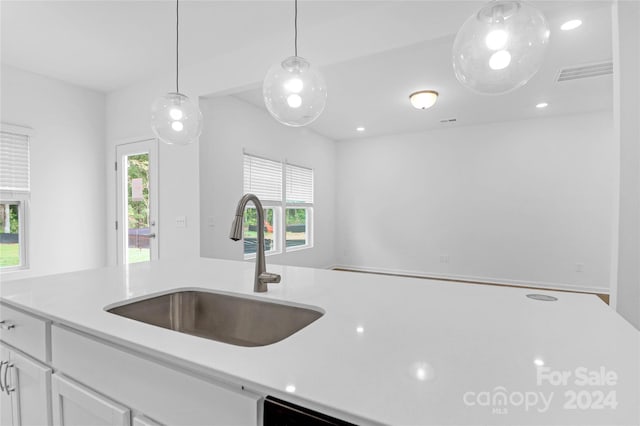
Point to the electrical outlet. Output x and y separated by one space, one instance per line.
444 258
579 267
181 222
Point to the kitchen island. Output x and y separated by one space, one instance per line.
388 350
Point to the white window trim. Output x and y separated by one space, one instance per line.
277 223
308 229
23 198
19 130
308 206
279 215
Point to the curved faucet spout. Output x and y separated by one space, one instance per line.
262 277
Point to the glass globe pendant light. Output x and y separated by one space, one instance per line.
176 119
500 47
294 92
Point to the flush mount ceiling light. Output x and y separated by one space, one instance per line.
500 47
175 119
542 105
294 92
360 129
571 25
423 99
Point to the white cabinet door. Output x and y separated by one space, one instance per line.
6 410
75 405
32 383
144 421
26 387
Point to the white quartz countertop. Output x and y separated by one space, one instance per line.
388 350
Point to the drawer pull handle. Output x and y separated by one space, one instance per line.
1 367
6 385
7 325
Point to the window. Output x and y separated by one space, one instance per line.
263 178
299 205
281 187
14 196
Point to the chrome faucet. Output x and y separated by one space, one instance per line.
262 277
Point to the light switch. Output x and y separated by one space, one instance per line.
181 222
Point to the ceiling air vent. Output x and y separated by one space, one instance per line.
448 121
585 71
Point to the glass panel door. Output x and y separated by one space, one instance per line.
138 223
137 201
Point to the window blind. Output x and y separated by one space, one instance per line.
14 162
299 181
263 178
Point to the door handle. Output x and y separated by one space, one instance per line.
152 235
6 385
7 325
1 367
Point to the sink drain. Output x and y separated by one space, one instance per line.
542 297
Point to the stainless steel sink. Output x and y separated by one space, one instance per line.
230 319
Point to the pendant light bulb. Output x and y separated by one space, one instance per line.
500 47
294 92
176 119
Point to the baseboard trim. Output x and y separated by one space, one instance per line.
601 292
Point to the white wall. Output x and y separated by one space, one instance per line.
517 202
67 214
128 120
232 125
626 274
382 28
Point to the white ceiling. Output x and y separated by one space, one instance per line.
373 91
107 45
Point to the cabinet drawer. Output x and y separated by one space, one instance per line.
157 390
25 332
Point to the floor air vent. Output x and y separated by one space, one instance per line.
585 71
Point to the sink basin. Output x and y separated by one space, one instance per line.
240 321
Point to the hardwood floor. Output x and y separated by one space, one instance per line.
602 296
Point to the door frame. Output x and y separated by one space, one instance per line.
140 146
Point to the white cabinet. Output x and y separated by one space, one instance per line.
25 332
75 405
6 406
97 382
25 385
144 421
149 386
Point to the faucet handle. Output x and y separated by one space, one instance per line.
268 277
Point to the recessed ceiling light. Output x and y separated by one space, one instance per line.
542 105
571 25
360 129
423 99
539 362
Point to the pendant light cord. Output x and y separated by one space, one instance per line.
177 44
295 25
